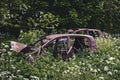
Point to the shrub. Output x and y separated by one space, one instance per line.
46 21
30 36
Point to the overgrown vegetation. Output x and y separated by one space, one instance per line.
29 20
16 15
104 64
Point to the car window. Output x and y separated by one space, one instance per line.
82 32
80 43
96 33
62 43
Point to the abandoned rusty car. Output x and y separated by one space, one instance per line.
58 44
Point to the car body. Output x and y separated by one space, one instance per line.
59 44
93 32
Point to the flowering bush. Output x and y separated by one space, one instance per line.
103 64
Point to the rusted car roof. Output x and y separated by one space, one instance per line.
85 29
53 36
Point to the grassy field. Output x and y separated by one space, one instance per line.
104 64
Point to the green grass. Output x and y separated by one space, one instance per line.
104 64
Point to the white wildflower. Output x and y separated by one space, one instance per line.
6 46
13 67
25 79
57 70
89 65
113 63
79 73
101 78
80 62
99 70
12 75
114 38
34 77
71 72
4 73
83 63
10 78
115 70
7 72
119 47
106 68
93 70
10 53
20 76
101 60
2 44
66 71
76 66
108 62
18 70
4 50
109 73
69 67
72 68
111 58
83 68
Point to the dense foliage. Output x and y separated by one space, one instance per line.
28 20
104 64
60 14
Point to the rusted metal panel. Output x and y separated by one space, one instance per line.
16 46
88 31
